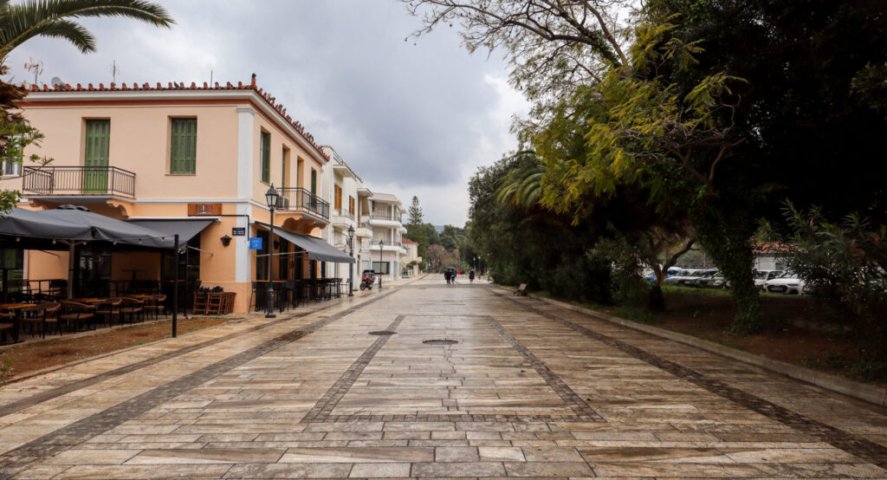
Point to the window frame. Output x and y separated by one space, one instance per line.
265 157
172 121
379 264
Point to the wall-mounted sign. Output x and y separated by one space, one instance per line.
255 243
238 232
204 209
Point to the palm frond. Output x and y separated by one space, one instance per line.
32 18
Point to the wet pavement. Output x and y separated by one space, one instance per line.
422 379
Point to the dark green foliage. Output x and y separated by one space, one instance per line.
843 265
520 247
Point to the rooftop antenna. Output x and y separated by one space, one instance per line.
210 78
114 71
36 66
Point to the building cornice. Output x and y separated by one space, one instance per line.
123 96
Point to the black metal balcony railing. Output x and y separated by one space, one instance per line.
296 199
78 180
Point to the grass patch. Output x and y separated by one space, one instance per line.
716 292
640 315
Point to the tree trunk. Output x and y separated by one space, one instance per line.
656 303
727 237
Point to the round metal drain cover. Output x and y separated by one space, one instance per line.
440 342
383 332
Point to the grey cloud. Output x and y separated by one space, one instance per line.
412 116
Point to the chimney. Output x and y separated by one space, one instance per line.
253 83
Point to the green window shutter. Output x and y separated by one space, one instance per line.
313 182
96 154
183 147
266 157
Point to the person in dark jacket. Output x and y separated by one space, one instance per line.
471 275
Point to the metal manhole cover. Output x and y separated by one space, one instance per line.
440 342
383 332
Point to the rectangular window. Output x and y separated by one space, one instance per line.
299 166
381 267
265 156
351 205
183 146
12 168
338 197
285 171
262 262
313 182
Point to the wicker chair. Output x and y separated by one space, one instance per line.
132 306
6 325
110 309
155 304
76 314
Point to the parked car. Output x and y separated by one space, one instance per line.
715 280
705 276
762 276
688 278
651 276
788 283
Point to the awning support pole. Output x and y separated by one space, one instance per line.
175 290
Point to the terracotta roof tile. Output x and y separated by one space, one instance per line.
181 86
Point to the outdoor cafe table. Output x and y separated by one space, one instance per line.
15 308
90 301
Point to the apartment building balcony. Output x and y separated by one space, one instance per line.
78 183
385 220
342 218
364 230
300 200
387 246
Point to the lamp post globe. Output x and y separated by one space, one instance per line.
271 198
381 244
351 265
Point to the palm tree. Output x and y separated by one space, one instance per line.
54 18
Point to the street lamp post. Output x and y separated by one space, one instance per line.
381 244
351 265
271 197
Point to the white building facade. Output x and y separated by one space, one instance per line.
373 217
382 253
411 255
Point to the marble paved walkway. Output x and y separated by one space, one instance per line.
428 380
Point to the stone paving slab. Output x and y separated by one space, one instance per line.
530 390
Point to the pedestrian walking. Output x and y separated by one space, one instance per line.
471 275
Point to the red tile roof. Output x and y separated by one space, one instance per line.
408 241
181 86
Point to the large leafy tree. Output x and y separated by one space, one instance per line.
20 22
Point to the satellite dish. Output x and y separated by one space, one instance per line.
58 81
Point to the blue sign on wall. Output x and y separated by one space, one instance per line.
238 231
255 243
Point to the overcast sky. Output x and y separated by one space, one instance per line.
411 118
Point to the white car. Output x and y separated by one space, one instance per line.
688 278
788 283
762 276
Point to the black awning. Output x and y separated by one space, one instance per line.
186 228
317 249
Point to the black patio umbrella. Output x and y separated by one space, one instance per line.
69 226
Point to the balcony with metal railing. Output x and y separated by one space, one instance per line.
301 200
344 213
77 181
384 219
